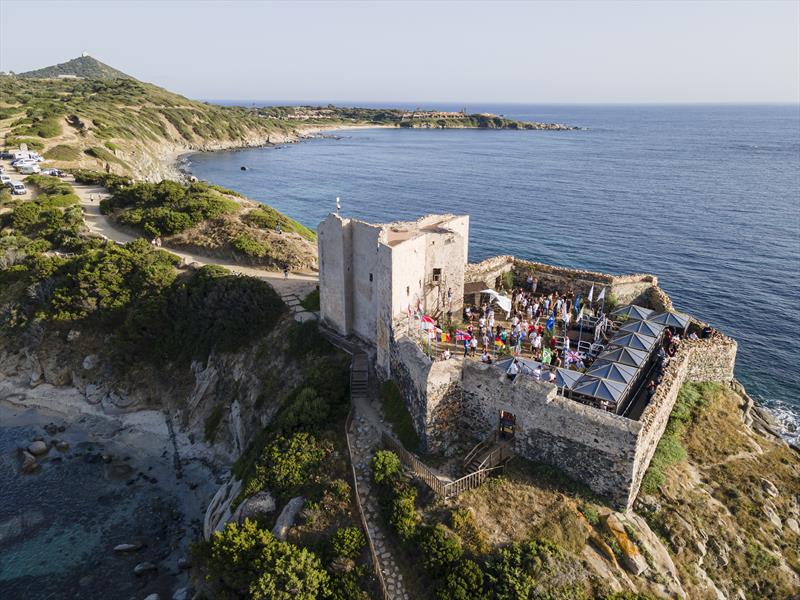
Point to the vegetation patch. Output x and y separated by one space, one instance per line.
267 217
311 302
166 208
395 411
63 152
692 397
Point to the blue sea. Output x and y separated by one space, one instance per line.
706 197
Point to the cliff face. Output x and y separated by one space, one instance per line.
224 400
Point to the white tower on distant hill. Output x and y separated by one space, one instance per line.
84 54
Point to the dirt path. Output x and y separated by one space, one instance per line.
296 284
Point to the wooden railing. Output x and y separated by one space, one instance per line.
376 567
416 465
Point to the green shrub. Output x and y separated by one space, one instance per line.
306 411
311 302
44 128
285 464
403 516
515 570
590 513
347 542
440 549
464 582
396 412
104 155
111 146
386 468
249 246
25 216
246 561
472 536
31 143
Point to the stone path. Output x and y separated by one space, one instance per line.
294 302
365 436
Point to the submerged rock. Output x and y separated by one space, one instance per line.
37 448
144 567
29 463
128 547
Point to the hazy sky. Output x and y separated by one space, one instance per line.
423 51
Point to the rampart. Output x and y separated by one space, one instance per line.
627 289
457 400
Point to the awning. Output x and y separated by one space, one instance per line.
618 372
643 327
637 313
567 378
637 341
626 356
597 387
669 319
502 301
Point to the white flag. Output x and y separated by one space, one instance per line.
591 294
580 314
602 295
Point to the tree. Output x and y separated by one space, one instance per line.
385 467
440 549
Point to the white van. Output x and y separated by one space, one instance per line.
19 189
4 178
29 169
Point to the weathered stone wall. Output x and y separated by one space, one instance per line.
592 446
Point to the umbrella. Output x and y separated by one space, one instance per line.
597 387
637 341
636 313
613 371
627 356
643 327
669 319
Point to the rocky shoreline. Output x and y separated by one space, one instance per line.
57 437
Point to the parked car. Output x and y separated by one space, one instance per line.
18 189
4 179
54 172
6 156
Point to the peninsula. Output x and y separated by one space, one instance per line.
394 421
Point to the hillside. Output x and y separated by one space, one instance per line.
85 66
86 114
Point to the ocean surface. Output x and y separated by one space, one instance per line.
706 197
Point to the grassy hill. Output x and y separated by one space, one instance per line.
83 66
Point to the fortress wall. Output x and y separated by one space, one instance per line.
713 359
334 248
590 445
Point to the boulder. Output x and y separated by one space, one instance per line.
793 525
286 518
258 504
29 463
62 446
181 594
632 559
73 335
144 567
128 547
37 448
152 597
769 488
772 515
90 362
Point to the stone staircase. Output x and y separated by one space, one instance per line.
294 302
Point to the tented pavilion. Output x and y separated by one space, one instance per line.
632 312
626 356
614 371
637 341
670 319
597 388
647 327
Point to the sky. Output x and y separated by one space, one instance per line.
532 52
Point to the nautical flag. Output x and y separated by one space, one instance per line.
591 294
462 336
551 322
577 301
602 295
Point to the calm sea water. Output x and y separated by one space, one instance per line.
706 197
